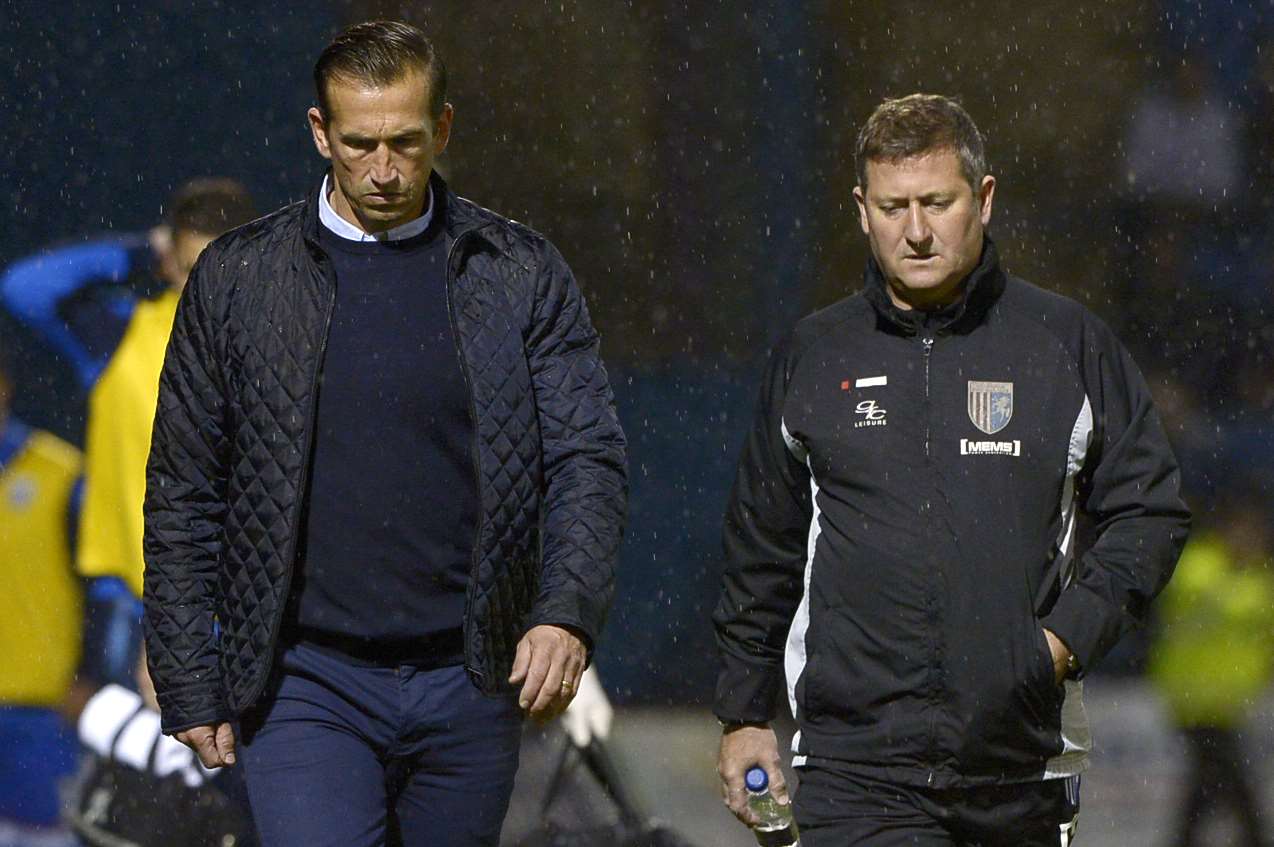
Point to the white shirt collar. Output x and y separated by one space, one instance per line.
347 230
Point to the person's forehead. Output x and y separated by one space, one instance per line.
935 167
405 100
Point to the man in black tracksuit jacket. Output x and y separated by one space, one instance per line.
901 534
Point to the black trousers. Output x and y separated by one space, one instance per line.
1217 778
836 808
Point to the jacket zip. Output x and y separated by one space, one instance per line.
926 342
474 449
303 480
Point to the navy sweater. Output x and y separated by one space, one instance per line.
393 498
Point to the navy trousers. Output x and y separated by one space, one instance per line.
353 756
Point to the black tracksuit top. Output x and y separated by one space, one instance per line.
901 530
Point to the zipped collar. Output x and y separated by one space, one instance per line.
979 291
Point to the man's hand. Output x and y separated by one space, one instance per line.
549 663
1061 656
213 743
741 748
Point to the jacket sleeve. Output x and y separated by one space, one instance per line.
185 508
585 480
1130 486
766 537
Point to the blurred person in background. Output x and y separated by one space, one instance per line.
122 403
40 626
1186 126
105 307
900 538
83 301
1191 181
1213 659
386 485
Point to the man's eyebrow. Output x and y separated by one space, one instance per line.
355 135
924 198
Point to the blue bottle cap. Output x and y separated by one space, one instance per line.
756 779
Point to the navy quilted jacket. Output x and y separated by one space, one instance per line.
226 479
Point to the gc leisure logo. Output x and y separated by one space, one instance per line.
872 414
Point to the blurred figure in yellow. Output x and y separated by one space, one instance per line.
104 307
122 401
40 626
1214 659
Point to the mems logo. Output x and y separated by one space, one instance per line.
990 448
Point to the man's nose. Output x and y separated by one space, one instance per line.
917 231
383 169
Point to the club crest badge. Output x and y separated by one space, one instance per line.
990 405
21 493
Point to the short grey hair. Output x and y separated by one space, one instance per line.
918 124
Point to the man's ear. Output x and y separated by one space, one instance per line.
986 194
861 199
318 128
442 129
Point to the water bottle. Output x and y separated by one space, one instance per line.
776 829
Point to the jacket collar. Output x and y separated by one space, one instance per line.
979 291
458 216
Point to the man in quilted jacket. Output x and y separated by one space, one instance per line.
386 483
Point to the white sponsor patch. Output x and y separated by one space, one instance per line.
990 448
871 382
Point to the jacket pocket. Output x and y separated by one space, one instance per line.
1044 680
1014 707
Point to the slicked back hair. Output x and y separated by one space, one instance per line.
210 205
378 53
918 124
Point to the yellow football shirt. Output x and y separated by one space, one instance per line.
43 611
121 414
